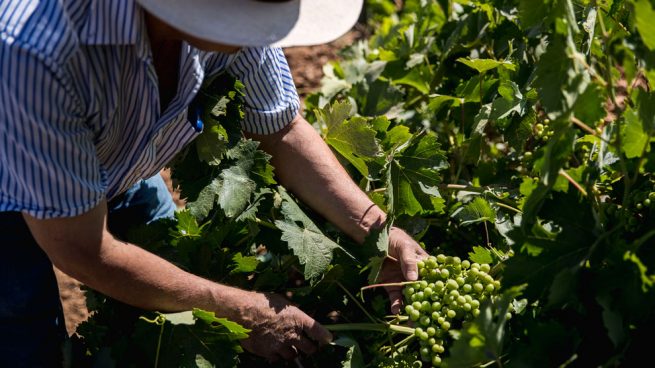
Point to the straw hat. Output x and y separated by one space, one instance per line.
258 22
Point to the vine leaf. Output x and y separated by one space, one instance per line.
313 249
478 210
480 255
244 264
633 135
353 138
413 175
237 183
354 357
644 14
484 65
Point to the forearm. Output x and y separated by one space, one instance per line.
137 277
84 249
306 166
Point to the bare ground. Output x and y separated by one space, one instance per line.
306 65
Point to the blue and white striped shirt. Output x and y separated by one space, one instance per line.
79 104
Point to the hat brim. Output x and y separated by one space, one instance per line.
259 23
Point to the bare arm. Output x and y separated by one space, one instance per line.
305 165
83 248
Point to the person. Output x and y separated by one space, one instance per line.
93 100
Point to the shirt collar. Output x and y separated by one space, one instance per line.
102 28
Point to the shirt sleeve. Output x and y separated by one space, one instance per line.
271 100
48 162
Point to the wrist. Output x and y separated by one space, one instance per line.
233 303
373 219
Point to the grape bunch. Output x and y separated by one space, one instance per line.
448 293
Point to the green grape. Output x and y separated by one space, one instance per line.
448 293
426 306
427 292
424 320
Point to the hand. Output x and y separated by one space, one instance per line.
406 252
280 330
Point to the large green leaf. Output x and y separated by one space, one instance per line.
560 77
478 210
634 136
413 176
484 65
238 182
644 15
313 249
353 138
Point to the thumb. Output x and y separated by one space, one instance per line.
316 331
408 263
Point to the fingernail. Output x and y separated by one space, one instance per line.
412 275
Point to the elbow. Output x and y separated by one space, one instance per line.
85 263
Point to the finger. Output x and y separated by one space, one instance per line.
316 331
395 297
305 345
421 253
408 259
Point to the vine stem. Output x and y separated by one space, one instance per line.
403 283
265 223
379 327
577 122
356 301
161 333
573 182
